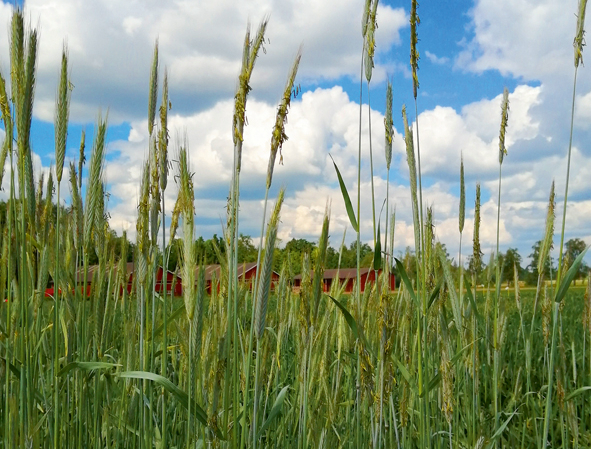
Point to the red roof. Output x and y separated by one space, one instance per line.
213 270
343 273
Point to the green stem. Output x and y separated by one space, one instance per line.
548 407
56 303
10 219
558 278
371 164
244 434
496 300
164 322
357 288
256 392
422 295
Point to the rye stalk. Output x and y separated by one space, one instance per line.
578 44
61 126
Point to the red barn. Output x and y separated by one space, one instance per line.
172 280
246 273
349 275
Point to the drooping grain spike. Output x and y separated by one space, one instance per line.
365 17
370 41
579 41
278 134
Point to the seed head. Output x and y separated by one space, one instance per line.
388 125
414 21
546 245
366 17
265 278
370 41
477 250
278 134
412 179
153 91
579 41
63 99
502 151
163 134
462 198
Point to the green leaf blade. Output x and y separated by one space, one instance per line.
347 199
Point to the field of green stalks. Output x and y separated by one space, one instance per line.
435 363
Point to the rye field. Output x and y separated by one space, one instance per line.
434 363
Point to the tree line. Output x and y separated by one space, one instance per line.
346 257
211 251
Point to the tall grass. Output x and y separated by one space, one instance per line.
438 362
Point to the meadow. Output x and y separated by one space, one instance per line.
432 364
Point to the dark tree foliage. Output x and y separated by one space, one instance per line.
573 248
532 268
511 261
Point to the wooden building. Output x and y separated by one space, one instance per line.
349 275
246 273
172 280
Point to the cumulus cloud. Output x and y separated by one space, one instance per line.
445 134
435 59
527 39
111 46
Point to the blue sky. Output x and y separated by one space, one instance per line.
470 51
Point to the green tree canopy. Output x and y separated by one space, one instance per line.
573 248
511 262
532 268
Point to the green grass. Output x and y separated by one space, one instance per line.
430 365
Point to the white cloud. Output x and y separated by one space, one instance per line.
527 39
435 59
445 134
132 24
583 109
111 47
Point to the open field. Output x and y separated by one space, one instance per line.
432 364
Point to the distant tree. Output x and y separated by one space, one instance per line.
129 247
350 255
294 250
331 258
247 252
471 270
511 261
573 248
173 252
532 268
300 245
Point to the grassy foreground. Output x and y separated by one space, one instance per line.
432 364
